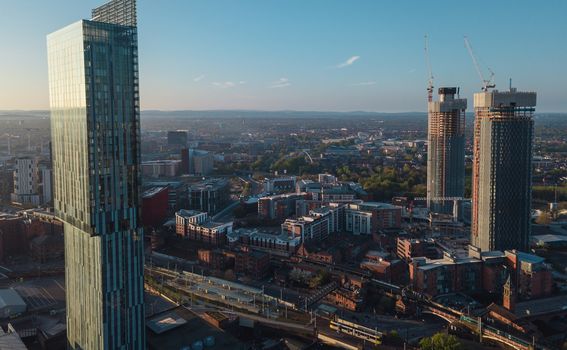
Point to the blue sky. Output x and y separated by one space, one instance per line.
335 55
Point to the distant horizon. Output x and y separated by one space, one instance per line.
319 55
471 111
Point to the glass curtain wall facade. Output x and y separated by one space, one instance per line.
93 81
502 170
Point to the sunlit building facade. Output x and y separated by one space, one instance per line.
95 126
446 151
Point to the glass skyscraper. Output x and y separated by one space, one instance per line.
95 130
502 169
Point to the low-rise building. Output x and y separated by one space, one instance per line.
203 162
11 303
533 277
327 179
367 218
177 197
278 207
216 259
408 248
47 247
197 226
319 252
312 227
17 231
446 275
252 263
211 196
346 299
350 294
26 182
358 222
161 168
279 243
530 276
280 184
155 203
487 271
389 271
335 212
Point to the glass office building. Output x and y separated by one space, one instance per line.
95 130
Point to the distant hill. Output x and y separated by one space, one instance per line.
540 118
276 114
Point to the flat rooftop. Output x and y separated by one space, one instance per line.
165 322
210 184
214 224
534 259
280 237
431 264
550 238
541 306
193 329
152 192
187 213
376 205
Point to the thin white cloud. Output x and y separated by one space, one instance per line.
411 71
199 78
348 62
227 84
280 83
224 84
364 83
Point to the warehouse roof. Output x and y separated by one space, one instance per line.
9 297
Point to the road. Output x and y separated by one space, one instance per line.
256 187
225 215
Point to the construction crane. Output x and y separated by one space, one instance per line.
486 83
430 83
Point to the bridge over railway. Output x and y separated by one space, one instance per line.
427 306
484 331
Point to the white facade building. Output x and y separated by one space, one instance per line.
26 182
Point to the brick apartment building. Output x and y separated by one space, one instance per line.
197 226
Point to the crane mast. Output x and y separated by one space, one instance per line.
430 74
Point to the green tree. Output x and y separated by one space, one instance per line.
320 279
440 341
246 189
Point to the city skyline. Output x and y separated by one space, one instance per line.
268 56
229 174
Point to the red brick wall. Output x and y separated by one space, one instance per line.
154 209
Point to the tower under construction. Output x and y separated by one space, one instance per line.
502 169
446 150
